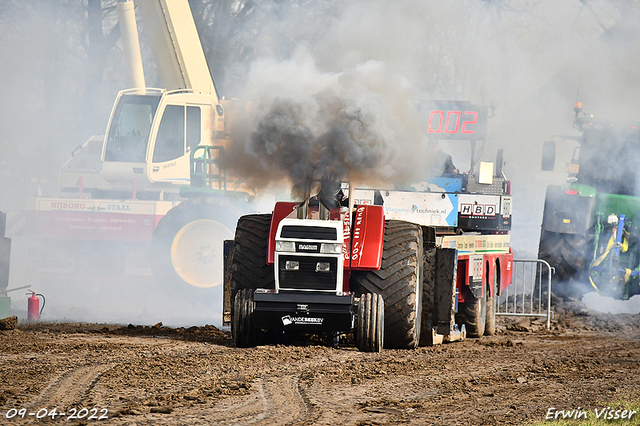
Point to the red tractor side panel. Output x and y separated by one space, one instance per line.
506 271
368 238
499 264
280 211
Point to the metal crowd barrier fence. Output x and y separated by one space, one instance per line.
529 290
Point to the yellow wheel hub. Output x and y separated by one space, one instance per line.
197 252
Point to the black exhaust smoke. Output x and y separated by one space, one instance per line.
315 138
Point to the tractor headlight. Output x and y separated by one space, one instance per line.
333 248
323 267
285 246
292 265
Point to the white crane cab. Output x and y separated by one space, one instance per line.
151 133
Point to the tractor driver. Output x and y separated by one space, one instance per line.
441 162
331 195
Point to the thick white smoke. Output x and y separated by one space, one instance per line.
608 304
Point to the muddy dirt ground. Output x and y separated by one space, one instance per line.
134 375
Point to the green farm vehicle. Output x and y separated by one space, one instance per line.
591 225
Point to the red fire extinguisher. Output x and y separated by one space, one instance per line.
33 306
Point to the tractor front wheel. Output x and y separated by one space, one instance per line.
473 312
242 320
370 327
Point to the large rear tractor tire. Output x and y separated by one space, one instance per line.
473 312
566 253
249 269
242 321
399 281
187 246
370 327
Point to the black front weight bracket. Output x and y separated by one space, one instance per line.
303 312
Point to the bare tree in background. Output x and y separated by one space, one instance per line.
55 67
99 37
234 33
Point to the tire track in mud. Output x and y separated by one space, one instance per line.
71 387
283 397
278 400
282 401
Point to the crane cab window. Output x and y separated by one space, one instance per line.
179 132
193 127
130 128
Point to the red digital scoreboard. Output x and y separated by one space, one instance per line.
455 120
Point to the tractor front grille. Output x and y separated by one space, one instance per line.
304 232
306 277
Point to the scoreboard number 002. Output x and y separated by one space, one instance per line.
452 124
455 120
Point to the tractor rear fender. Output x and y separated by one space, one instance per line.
568 210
